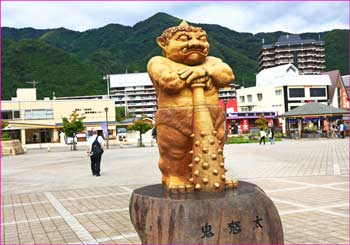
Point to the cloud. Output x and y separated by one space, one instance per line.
294 17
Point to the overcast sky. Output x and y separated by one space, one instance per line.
254 17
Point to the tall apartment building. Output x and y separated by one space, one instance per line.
134 92
308 55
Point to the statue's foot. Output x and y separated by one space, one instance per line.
177 184
231 184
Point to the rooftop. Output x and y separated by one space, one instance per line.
129 80
314 108
288 75
293 39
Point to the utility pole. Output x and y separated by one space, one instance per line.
106 110
108 82
126 102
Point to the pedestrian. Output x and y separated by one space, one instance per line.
326 128
271 136
262 136
95 150
341 130
154 133
336 131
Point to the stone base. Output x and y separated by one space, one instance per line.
245 215
11 148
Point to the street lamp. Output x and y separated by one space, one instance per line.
106 110
107 80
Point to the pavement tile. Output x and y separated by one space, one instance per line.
284 175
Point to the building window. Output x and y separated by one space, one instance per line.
241 99
249 98
317 92
278 92
296 92
293 107
38 114
259 97
10 114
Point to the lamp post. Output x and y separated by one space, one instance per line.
107 80
106 110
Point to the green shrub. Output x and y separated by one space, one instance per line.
5 136
248 139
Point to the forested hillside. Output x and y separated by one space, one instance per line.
73 63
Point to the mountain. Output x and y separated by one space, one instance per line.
55 70
59 58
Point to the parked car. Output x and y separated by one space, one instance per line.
121 134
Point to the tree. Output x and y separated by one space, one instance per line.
261 122
120 114
142 126
72 126
4 135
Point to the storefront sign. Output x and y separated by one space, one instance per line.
270 122
245 125
344 99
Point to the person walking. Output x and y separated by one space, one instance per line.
341 130
95 150
271 136
262 136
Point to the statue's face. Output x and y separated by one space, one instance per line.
187 47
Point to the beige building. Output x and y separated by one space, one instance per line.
40 121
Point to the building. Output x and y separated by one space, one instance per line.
308 55
280 89
135 92
40 121
338 94
346 81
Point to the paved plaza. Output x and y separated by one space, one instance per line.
51 197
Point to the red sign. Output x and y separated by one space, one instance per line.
344 99
245 125
270 122
231 105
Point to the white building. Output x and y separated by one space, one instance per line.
135 92
281 89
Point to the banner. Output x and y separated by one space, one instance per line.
104 129
344 99
245 125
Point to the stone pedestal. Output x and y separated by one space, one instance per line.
245 215
11 148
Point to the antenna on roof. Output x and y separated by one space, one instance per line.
34 83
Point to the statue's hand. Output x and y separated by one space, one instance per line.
194 75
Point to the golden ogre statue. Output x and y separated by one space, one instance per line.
189 120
